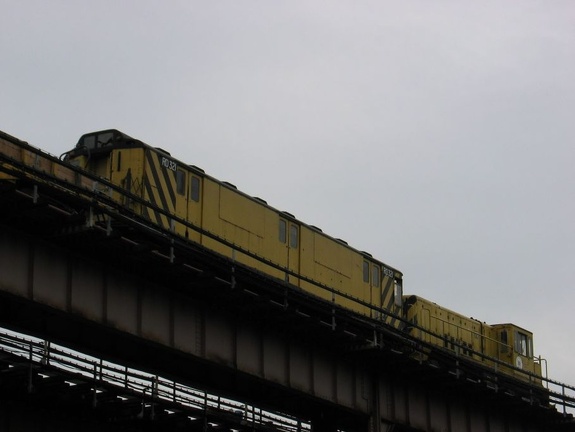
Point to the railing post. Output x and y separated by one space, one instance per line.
205 411
172 230
46 354
495 368
333 322
95 393
30 371
35 195
564 401
154 396
233 275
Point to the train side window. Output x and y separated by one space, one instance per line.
181 182
195 189
504 342
89 141
282 231
104 139
366 271
375 275
522 343
293 236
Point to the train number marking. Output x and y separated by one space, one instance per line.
169 164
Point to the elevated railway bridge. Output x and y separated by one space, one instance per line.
112 322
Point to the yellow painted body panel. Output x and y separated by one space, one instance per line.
126 171
244 224
22 153
446 328
12 151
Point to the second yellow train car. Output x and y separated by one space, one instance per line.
506 343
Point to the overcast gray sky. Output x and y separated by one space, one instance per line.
437 135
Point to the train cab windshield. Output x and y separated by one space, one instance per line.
102 142
96 141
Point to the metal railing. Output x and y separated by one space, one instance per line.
152 390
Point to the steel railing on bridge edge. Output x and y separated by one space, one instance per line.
152 389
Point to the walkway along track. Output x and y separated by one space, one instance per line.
80 215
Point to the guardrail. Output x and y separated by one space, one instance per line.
45 358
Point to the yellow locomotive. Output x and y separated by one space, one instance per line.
185 200
507 343
266 239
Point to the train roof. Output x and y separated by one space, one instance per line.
412 299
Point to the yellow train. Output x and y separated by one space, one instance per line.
508 343
185 200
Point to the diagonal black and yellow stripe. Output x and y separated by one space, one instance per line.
388 301
159 187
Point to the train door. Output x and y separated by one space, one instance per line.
290 236
293 252
195 207
372 275
181 202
